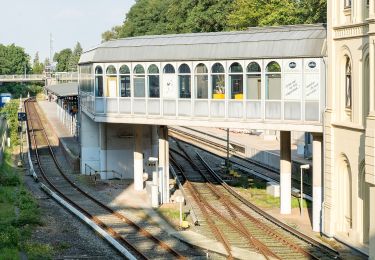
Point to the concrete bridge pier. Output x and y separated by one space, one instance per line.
138 157
285 173
163 164
317 181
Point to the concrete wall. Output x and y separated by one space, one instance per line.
90 149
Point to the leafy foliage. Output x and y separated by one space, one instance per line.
150 17
13 60
10 113
20 89
67 59
38 67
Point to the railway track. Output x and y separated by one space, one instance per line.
237 156
233 220
140 242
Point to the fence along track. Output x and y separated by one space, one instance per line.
265 228
125 240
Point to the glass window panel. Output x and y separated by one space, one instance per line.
154 86
236 86
98 70
139 69
218 68
169 69
253 67
218 86
139 86
273 86
153 69
185 86
201 69
111 70
273 66
254 86
236 68
124 69
201 83
99 86
184 68
125 86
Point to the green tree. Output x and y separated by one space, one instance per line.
148 17
62 58
13 60
38 67
74 58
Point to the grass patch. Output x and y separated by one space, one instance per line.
257 194
38 251
19 214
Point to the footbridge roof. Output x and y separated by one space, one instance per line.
258 42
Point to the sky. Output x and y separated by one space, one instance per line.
29 23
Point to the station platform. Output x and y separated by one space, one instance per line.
69 144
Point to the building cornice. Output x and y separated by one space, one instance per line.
351 31
348 126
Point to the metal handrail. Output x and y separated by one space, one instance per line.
93 172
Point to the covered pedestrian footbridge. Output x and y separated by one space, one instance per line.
263 78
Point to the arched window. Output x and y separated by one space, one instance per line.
125 81
169 69
254 81
348 84
153 81
98 81
236 81
201 81
273 81
111 79
184 81
111 70
139 81
218 81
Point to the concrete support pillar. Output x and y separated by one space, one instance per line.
154 141
138 157
103 149
317 181
285 173
164 164
372 223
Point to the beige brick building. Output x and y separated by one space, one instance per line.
349 125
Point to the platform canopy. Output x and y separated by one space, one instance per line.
295 41
64 90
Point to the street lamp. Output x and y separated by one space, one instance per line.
302 167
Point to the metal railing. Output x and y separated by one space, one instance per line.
60 76
94 173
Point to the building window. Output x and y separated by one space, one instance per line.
236 81
153 81
201 81
254 81
347 3
124 81
184 81
273 81
111 80
348 84
139 81
169 69
218 81
98 81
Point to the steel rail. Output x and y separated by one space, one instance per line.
118 215
253 242
274 220
110 231
234 154
264 227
